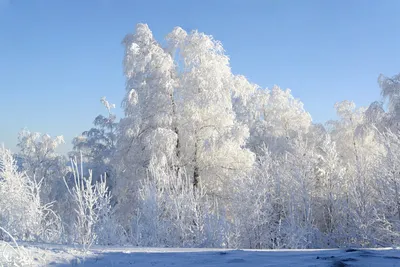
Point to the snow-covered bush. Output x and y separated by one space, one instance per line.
254 206
174 213
12 254
92 205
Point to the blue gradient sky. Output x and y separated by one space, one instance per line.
58 57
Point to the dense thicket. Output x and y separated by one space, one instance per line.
204 158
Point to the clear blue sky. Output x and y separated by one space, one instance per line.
58 57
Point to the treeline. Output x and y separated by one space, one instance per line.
205 158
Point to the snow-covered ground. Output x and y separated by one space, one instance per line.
57 255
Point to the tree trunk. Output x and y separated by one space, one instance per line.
196 174
176 130
396 189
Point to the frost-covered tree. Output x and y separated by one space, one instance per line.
259 226
92 206
98 144
358 144
273 116
284 115
211 139
22 212
299 171
343 131
331 193
285 195
390 89
147 131
387 186
41 162
170 213
178 112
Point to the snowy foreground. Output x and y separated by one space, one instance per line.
57 255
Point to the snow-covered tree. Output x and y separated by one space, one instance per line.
387 186
172 214
178 111
390 89
273 116
358 144
147 132
97 145
40 161
22 213
259 226
331 193
92 205
211 139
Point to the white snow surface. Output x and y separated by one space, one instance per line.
60 255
